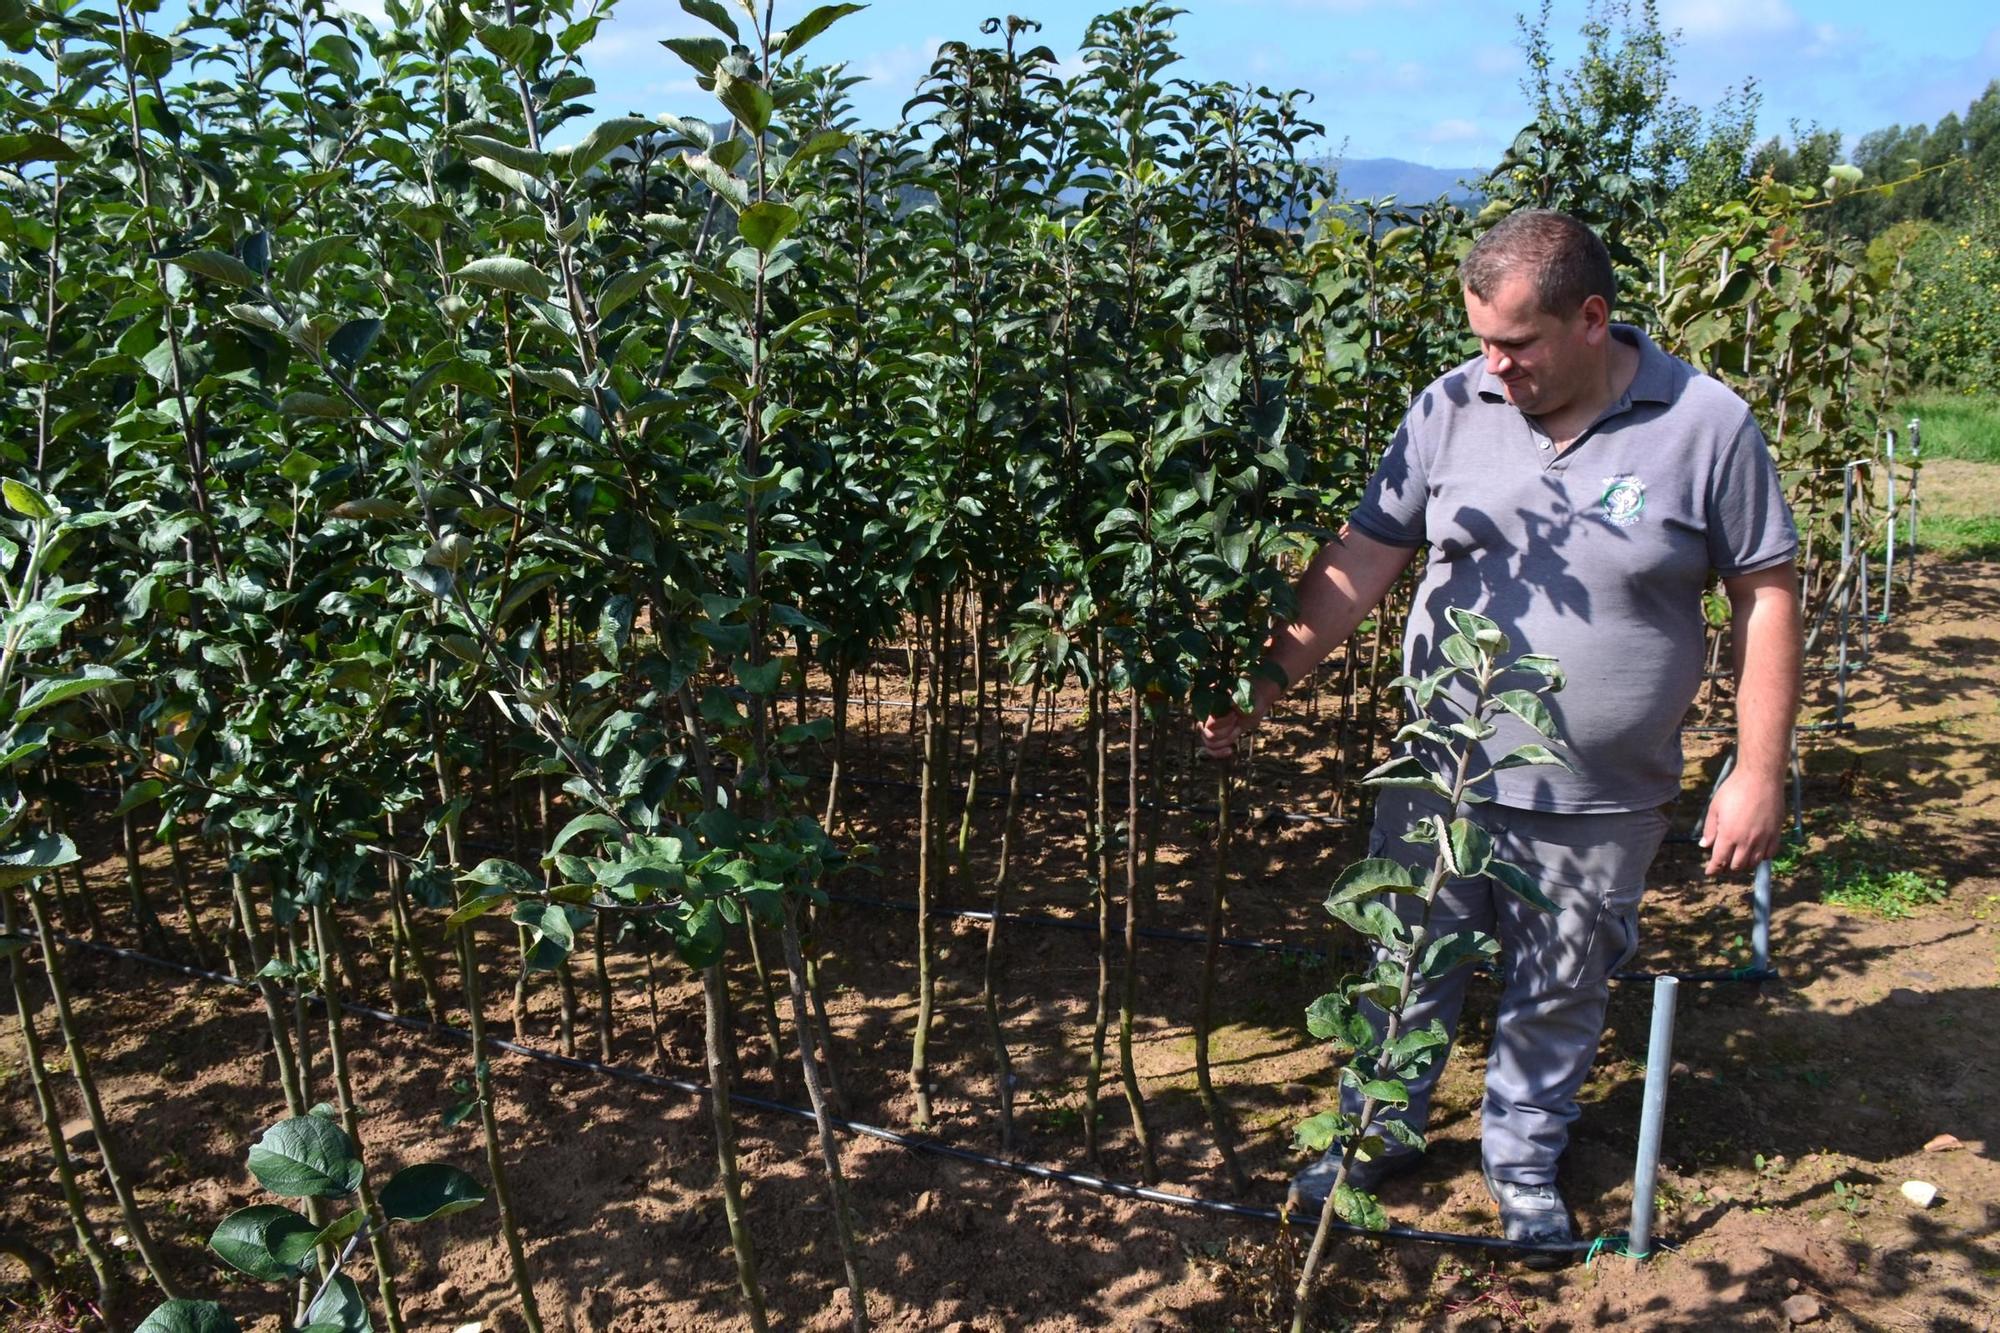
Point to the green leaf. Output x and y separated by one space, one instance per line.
507 154
474 909
306 1157
761 680
1528 706
309 258
1519 883
510 275
765 225
341 1227
25 500
141 793
497 872
1320 1132
747 100
48 692
1468 849
1371 918
1403 771
712 13
223 268
712 174
1542 665
702 54
268 1242
1524 756
1448 953
352 341
1334 1017
188 1317
305 403
623 286
812 25
1388 1091
615 133
34 146
430 1189
1374 874
1479 629
340 1307
594 821
1358 1209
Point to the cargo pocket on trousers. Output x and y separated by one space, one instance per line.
1613 938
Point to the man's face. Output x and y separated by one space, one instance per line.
1544 362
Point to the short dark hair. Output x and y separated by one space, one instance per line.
1563 256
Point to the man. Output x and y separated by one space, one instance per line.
1579 486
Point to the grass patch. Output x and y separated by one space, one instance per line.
1854 870
1956 537
1956 425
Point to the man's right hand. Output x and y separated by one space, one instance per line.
1220 733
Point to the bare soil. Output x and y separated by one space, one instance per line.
1797 1108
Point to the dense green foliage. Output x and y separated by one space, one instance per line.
462 470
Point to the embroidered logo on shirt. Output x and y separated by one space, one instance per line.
1624 500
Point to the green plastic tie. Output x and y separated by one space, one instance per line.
1611 1242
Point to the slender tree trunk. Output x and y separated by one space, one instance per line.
282 1049
841 673
1003 1065
103 1270
829 1147
566 1008
100 1123
604 997
1100 725
489 1126
379 1247
927 871
482 1078
1218 1114
190 919
768 1006
146 924
1135 1098
815 991
719 1042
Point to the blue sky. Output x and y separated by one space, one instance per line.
1434 81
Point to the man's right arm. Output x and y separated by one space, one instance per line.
1345 581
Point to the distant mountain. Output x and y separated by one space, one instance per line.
1410 182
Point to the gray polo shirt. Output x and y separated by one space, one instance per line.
1598 557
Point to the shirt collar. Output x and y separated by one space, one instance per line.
1653 382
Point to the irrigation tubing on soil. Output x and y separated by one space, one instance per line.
914 1142
1719 974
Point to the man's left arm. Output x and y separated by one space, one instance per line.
1747 815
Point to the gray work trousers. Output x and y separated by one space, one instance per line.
1557 967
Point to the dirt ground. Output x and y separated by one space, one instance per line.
1797 1108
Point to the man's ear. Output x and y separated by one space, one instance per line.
1596 315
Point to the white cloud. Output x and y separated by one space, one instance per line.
899 67
1729 18
1453 129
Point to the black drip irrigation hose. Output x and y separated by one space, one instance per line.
1719 974
914 1142
1170 807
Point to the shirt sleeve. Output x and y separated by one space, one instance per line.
1749 525
1391 508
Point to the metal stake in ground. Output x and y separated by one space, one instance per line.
1652 1118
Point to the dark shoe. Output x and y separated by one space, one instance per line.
1311 1186
1533 1215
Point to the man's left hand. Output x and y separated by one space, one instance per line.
1745 821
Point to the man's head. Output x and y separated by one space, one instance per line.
1538 294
